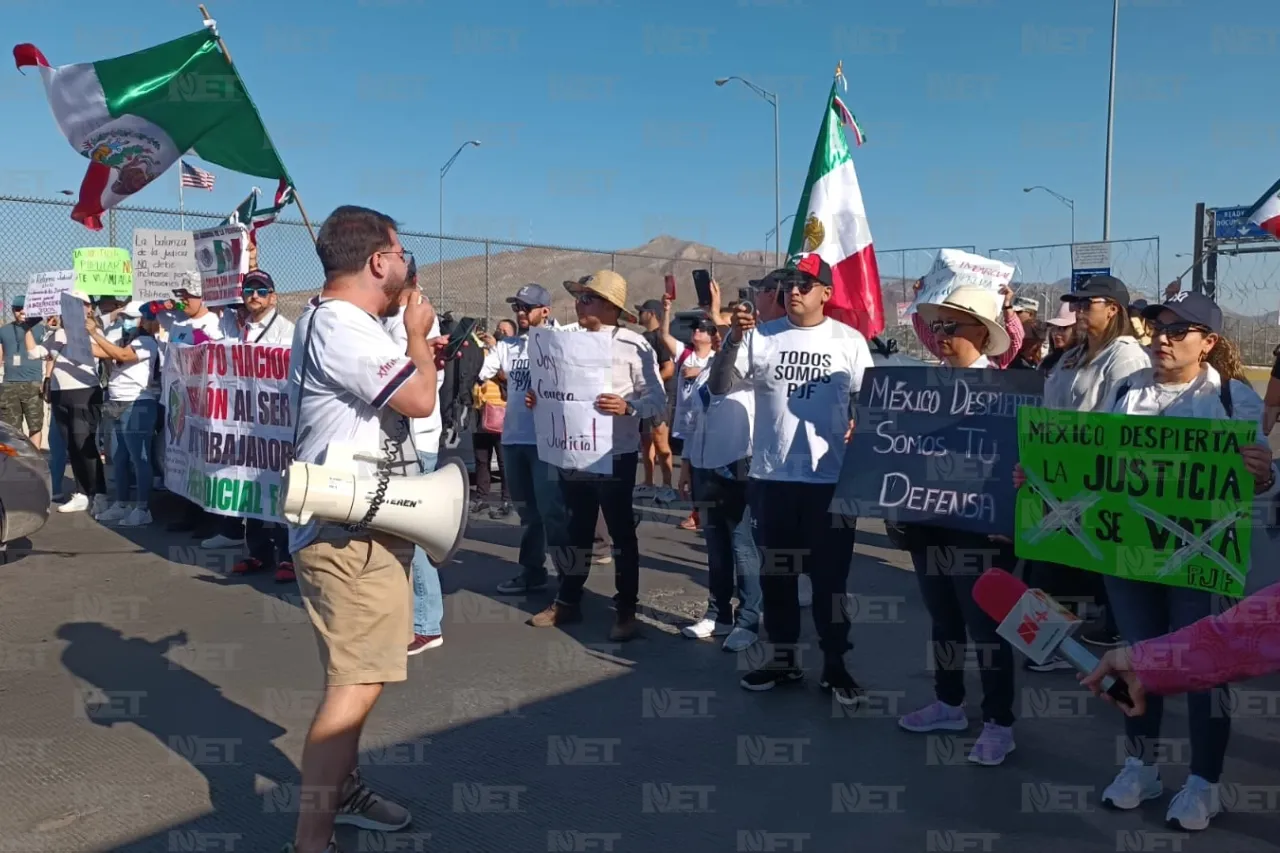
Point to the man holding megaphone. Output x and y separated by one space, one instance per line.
354 390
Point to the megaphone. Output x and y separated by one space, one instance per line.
429 510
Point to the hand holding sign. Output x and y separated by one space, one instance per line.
611 404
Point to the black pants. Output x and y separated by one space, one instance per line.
584 498
267 541
1070 587
486 445
76 413
947 567
796 532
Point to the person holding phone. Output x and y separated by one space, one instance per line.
655 432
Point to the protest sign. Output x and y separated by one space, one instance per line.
567 373
228 426
936 446
161 260
78 348
103 271
1154 499
223 260
954 268
44 292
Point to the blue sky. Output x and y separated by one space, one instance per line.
601 126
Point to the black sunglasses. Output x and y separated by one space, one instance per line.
1177 332
519 307
948 328
803 286
246 292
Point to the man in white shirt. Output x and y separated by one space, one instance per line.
806 370
529 482
600 300
351 383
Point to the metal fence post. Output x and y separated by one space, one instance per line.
613 262
486 284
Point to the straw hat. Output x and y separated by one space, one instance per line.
609 286
980 304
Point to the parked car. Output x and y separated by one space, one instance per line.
25 489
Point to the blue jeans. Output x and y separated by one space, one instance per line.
534 493
428 600
57 457
733 561
1147 610
132 449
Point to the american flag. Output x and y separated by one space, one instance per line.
196 178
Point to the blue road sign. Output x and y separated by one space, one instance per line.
1079 277
1229 223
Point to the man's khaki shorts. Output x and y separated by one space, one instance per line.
357 592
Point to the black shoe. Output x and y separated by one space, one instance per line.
1102 638
520 585
767 677
837 681
501 511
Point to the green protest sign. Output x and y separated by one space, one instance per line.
1161 500
103 271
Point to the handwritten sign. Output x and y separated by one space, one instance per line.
954 268
566 374
103 271
222 257
1154 499
228 426
44 292
937 446
78 347
161 260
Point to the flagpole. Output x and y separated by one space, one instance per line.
182 209
226 54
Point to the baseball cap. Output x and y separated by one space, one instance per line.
812 265
19 301
1101 286
1138 306
652 305
259 278
133 309
82 296
1190 308
533 295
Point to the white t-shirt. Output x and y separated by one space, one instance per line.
133 381
804 378
682 420
426 431
68 375
511 356
353 368
184 331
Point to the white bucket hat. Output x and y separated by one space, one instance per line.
980 304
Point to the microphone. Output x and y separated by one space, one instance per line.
1037 626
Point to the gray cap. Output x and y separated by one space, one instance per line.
533 295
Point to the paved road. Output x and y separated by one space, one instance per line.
513 739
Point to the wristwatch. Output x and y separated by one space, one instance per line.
631 410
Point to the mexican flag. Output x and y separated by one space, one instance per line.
1265 213
133 116
254 217
832 222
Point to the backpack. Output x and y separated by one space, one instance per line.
1224 395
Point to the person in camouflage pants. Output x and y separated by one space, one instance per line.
21 397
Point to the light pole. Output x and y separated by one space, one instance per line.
444 170
1111 120
773 232
772 98
1062 198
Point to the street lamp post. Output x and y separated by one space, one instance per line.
773 232
772 98
1111 120
444 170
1062 198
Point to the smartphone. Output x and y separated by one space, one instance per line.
458 336
670 292
702 286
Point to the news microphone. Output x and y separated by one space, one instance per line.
1038 627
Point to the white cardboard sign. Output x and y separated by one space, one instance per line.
954 268
161 262
44 292
566 374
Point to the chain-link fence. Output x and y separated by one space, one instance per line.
1248 288
1044 272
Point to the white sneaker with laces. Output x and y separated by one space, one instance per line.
100 505
138 517
76 503
1134 784
114 513
705 628
220 541
1195 805
739 640
806 591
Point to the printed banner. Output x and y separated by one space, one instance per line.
223 261
102 271
937 446
44 292
567 373
1161 500
954 268
161 262
228 426
79 348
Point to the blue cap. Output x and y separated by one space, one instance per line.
1190 307
533 295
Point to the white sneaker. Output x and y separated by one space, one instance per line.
1134 784
113 513
806 591
220 541
76 503
705 628
137 517
100 505
1195 805
739 640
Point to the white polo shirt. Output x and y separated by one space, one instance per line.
426 431
133 381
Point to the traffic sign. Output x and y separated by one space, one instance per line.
1088 260
1229 223
1079 277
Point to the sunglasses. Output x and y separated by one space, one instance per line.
803 286
264 292
521 308
1177 332
948 328
1084 302
586 298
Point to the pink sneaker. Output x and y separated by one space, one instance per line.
935 717
992 746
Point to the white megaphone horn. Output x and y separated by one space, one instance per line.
429 510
